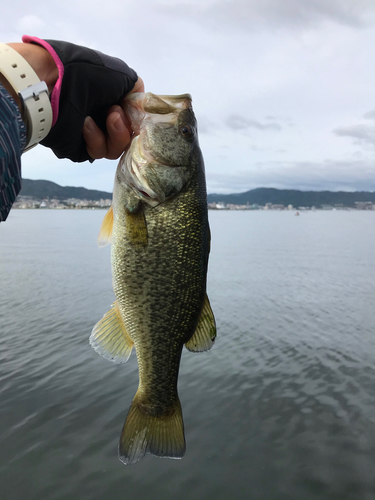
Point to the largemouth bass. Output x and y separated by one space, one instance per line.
158 228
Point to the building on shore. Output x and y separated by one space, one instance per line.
25 202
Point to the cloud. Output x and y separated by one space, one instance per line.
275 14
329 175
370 115
237 122
362 134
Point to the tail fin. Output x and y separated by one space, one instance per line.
144 432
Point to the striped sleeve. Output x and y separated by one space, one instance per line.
12 144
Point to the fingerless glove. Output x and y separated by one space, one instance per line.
89 83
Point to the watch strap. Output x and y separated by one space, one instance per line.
33 93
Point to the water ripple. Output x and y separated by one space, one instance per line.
281 408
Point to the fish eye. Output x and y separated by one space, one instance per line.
187 131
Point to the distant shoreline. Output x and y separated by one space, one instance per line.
41 192
233 209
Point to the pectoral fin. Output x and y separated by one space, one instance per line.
205 333
136 228
109 337
105 233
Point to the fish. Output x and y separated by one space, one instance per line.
160 242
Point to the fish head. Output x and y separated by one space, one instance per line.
164 152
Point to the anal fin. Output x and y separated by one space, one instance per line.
205 333
109 337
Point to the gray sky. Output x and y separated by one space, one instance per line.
283 90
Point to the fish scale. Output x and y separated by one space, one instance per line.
152 296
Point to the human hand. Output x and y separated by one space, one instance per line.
119 132
86 102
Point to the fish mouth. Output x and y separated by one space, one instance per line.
144 108
141 107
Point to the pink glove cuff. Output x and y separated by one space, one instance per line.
55 96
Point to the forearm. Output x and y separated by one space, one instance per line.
12 143
13 131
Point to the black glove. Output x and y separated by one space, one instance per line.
92 83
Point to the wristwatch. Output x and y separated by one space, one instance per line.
36 106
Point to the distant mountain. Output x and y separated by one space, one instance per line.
261 196
47 189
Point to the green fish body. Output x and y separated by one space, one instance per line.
158 227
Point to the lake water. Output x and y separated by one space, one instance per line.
283 407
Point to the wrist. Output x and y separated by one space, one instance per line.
40 60
22 76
